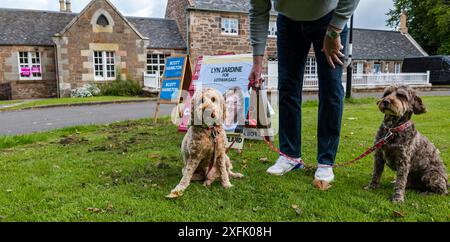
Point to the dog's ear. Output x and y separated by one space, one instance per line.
418 106
195 102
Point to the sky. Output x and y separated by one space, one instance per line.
370 13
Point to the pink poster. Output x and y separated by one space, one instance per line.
35 69
25 71
183 127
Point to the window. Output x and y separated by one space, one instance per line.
377 68
155 63
397 68
30 66
358 68
230 26
272 29
104 65
102 21
311 68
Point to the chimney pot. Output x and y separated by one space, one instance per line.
403 22
62 6
68 6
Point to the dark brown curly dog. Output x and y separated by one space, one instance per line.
412 155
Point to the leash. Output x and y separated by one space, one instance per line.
214 133
380 143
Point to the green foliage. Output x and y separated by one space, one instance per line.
428 23
121 88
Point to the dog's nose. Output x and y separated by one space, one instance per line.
213 115
385 102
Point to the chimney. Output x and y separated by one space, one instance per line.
68 6
403 23
62 6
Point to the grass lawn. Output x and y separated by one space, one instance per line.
122 171
63 101
9 102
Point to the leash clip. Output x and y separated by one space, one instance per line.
389 135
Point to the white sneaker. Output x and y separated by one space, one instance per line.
324 173
283 165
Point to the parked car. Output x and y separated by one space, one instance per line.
439 67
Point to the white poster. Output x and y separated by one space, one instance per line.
229 75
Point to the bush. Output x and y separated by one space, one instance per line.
87 90
121 88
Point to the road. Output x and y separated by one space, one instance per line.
36 120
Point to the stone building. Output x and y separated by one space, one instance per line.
47 53
221 26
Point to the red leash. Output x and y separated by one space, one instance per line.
377 146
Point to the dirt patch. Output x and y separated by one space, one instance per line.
70 140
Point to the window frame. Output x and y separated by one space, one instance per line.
229 28
106 67
272 26
399 65
311 68
160 65
30 64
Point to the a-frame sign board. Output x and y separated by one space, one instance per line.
177 77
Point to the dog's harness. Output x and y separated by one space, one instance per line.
380 143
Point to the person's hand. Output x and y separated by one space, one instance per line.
332 50
256 72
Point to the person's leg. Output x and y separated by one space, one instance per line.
331 95
293 49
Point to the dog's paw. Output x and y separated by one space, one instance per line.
227 185
321 185
397 198
175 194
371 186
237 176
207 183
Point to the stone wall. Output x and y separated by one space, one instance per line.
24 89
176 10
5 91
33 89
206 36
386 66
76 51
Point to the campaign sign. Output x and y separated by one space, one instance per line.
25 71
35 69
170 90
229 75
185 119
174 67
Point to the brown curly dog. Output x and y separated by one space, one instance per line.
203 147
411 154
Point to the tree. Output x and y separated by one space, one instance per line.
428 23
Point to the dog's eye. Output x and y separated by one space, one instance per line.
401 96
386 94
213 99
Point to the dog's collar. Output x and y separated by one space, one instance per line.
401 127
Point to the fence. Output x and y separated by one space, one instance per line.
362 80
152 81
312 82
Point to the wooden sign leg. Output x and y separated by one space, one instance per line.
156 113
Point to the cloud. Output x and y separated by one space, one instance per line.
370 13
141 8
